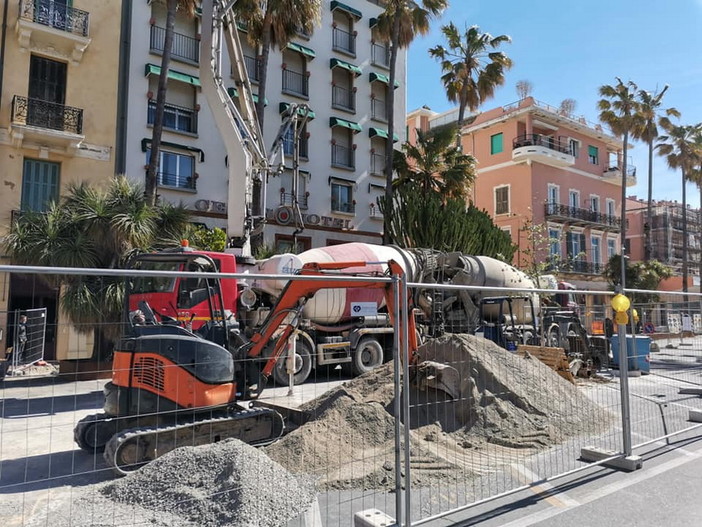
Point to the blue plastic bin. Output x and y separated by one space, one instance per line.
639 359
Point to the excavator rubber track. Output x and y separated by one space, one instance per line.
130 449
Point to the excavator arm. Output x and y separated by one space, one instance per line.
296 292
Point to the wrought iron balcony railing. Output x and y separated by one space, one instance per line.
254 68
542 140
183 46
343 41
343 98
166 179
578 215
380 55
571 265
296 83
174 117
343 156
286 198
343 206
44 114
379 110
56 15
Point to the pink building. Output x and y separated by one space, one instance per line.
539 165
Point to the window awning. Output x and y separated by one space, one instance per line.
372 22
338 121
338 63
233 92
379 132
303 50
381 78
152 69
346 9
146 143
283 108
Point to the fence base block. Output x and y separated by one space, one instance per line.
372 518
312 516
629 463
690 391
695 416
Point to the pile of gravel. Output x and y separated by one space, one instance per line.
504 402
226 483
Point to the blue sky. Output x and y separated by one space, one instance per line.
568 49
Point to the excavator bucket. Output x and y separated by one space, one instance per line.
438 376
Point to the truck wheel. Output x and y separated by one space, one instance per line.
368 356
301 369
553 337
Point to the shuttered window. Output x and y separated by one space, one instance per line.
496 143
40 184
502 200
593 155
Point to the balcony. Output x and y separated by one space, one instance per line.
183 48
296 84
575 266
182 182
175 118
288 144
380 55
287 198
613 174
542 149
374 212
53 28
343 157
343 206
583 217
344 41
45 123
377 165
344 99
254 68
379 110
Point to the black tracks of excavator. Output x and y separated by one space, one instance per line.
134 447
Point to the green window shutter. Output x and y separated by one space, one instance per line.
40 184
496 143
593 154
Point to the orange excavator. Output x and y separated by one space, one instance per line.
174 387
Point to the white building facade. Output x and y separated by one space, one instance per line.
341 72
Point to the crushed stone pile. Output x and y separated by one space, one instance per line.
228 483
503 403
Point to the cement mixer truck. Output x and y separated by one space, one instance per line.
348 327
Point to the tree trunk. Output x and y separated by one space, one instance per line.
625 152
463 102
152 171
684 234
648 248
390 113
102 346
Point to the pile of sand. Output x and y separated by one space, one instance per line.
503 401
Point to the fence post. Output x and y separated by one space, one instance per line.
406 397
624 390
397 361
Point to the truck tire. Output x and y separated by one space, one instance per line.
302 368
367 356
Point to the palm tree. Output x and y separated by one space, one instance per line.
681 150
619 110
94 228
647 131
273 24
471 67
399 24
435 164
172 6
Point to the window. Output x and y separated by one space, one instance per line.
502 200
595 203
40 184
574 199
593 155
610 207
175 170
595 251
496 143
575 244
286 188
174 117
611 247
289 142
574 145
342 197
284 243
554 239
553 198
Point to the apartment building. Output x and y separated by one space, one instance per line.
666 233
340 71
540 166
57 126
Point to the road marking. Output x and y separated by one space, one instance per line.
545 490
606 490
